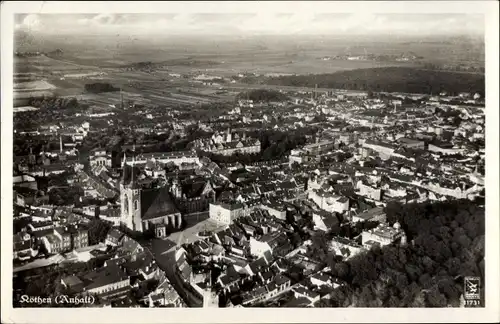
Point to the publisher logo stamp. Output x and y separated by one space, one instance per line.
471 288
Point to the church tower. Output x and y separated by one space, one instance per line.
130 198
228 136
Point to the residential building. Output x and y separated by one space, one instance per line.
369 191
374 214
115 237
107 283
275 209
324 220
23 246
276 243
328 201
346 248
383 235
40 226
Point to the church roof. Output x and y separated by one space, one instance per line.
156 203
193 189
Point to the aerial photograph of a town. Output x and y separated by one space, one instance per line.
248 160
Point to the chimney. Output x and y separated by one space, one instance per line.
121 97
60 144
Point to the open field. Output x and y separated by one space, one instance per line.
38 85
268 54
66 74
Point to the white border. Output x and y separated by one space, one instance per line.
488 314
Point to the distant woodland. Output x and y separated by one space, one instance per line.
262 95
54 103
445 243
389 79
100 87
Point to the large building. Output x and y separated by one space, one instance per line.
383 235
328 201
100 157
444 148
178 158
382 148
192 195
146 209
411 143
369 191
64 239
227 213
229 144
319 147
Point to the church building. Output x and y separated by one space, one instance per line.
149 209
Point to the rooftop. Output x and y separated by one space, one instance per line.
369 214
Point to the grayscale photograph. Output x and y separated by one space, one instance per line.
239 160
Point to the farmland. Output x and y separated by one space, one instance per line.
163 72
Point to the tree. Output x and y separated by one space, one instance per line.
390 79
98 230
422 274
342 270
435 299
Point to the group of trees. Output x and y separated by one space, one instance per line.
389 79
99 87
454 67
262 95
65 196
53 109
23 143
98 230
275 144
446 243
54 102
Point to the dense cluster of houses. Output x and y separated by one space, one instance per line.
369 153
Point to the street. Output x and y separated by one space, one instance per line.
164 253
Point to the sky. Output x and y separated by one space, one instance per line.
253 24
